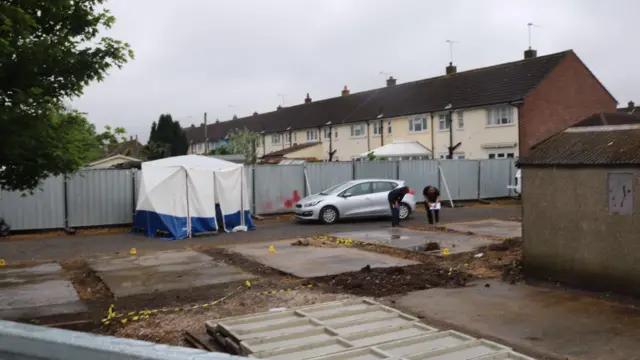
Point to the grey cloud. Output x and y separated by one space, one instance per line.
196 56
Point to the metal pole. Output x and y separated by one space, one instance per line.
65 189
450 121
206 138
253 187
134 202
186 187
479 178
242 184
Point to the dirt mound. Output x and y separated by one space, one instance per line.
379 282
432 246
512 272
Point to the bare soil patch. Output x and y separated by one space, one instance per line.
85 280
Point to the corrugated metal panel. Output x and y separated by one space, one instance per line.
278 187
418 174
30 342
324 175
42 210
376 169
100 197
495 178
461 177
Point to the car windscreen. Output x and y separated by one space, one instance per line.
335 188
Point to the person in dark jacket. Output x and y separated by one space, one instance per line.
395 197
432 203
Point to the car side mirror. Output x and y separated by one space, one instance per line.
346 195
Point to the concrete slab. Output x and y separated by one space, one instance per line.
162 271
490 227
416 240
308 261
552 321
37 291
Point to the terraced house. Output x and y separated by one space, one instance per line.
493 112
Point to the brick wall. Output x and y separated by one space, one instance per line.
568 94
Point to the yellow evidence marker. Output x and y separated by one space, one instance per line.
133 251
445 252
272 249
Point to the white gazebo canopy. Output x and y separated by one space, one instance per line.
400 150
185 195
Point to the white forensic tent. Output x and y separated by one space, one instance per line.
185 195
400 150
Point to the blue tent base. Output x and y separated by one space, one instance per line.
233 220
167 227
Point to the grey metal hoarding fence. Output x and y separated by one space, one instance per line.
109 197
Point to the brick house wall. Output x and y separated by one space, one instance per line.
567 95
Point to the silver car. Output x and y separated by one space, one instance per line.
354 199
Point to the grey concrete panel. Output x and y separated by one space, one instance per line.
163 271
416 240
37 291
496 228
308 262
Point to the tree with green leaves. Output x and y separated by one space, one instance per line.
166 139
49 52
245 142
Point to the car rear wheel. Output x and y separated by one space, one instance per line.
329 215
404 211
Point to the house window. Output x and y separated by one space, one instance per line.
457 156
377 128
312 135
500 116
501 156
275 139
460 120
291 137
418 124
443 122
357 130
389 127
327 133
336 134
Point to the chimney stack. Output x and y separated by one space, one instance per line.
451 69
307 99
255 113
235 117
391 81
279 107
530 53
631 107
345 91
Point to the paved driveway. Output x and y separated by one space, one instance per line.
64 248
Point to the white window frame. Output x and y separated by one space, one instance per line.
501 116
327 133
312 135
443 117
502 155
460 122
377 128
389 128
418 119
358 128
456 156
276 139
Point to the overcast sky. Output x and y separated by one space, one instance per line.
236 57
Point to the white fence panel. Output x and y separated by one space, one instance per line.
418 174
324 175
495 178
100 197
380 169
461 177
278 188
42 210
